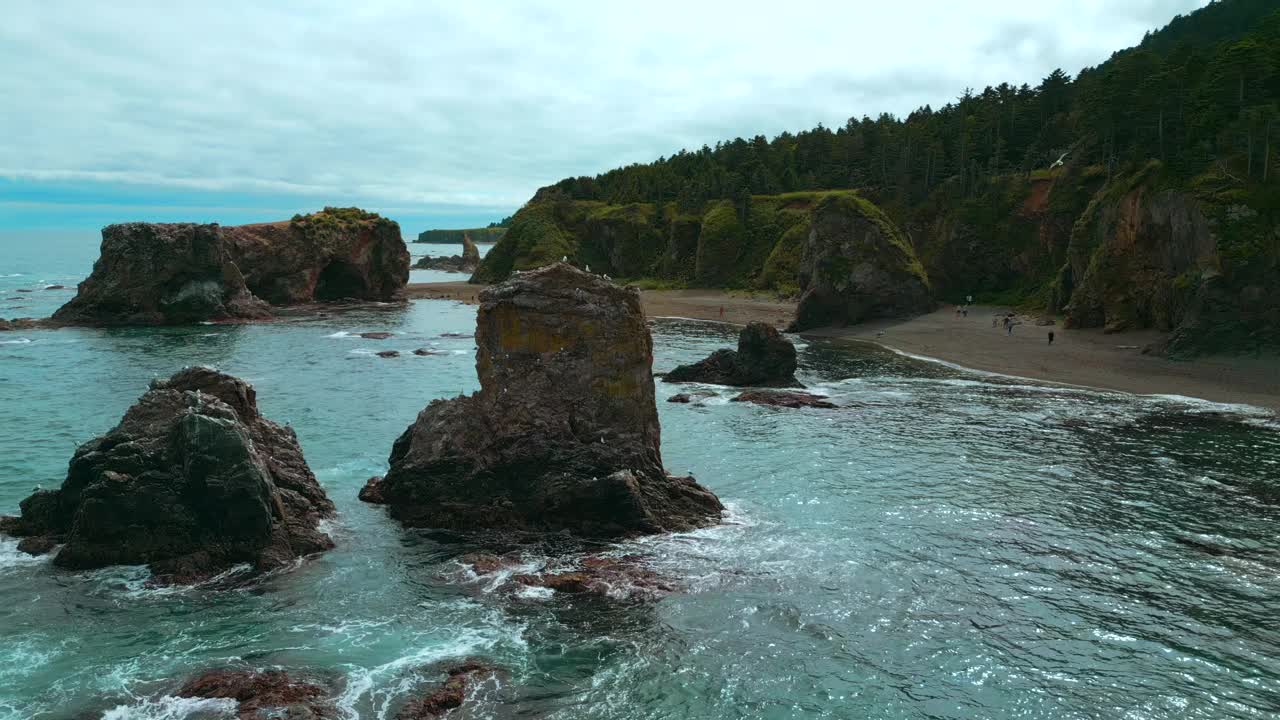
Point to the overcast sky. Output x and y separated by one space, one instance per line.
453 113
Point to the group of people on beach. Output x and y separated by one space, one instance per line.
1005 320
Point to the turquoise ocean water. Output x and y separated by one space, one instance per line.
948 545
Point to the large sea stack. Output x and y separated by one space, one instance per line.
764 358
563 434
166 274
857 265
192 481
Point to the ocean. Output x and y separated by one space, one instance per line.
946 544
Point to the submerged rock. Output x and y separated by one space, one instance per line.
449 695
192 481
166 274
264 694
563 434
764 357
857 265
388 353
784 399
376 335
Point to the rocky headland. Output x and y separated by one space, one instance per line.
764 358
169 274
192 481
563 434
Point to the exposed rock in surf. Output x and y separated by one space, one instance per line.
166 274
376 335
55 287
464 263
784 399
449 695
388 353
763 358
427 351
695 397
192 481
605 576
857 265
563 434
25 290
265 694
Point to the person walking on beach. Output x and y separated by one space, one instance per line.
1050 337
721 312
1009 325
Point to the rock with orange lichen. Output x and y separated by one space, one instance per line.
563 434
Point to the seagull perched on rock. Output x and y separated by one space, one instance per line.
1058 163
564 259
588 268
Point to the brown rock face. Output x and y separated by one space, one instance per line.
467 262
157 274
265 694
784 399
563 434
764 357
450 695
192 481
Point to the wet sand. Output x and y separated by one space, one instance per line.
1087 358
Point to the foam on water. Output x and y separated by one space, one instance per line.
11 558
175 708
18 341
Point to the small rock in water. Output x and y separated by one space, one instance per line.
376 335
55 287
25 290
428 351
388 353
764 357
264 694
784 399
449 696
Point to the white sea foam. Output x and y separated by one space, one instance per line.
339 334
16 341
174 708
11 557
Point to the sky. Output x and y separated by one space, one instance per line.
451 114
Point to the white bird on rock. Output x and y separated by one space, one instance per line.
1058 163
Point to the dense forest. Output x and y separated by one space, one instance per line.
1142 193
1202 93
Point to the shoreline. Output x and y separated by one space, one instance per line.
1087 358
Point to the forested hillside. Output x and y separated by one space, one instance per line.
1140 193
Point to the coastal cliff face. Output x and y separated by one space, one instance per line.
563 433
191 481
1197 264
157 274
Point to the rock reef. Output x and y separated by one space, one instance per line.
192 482
167 274
563 434
764 358
265 693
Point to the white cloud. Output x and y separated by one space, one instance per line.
477 104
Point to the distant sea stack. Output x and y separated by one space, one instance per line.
168 274
192 481
453 237
466 262
563 434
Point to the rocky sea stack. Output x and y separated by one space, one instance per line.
857 265
563 434
466 262
168 274
764 358
192 481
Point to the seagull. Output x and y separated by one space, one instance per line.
588 268
564 259
1058 163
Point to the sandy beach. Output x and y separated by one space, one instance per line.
1087 358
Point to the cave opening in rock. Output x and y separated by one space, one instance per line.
339 280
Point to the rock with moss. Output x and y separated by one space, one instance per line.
178 273
563 433
857 265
